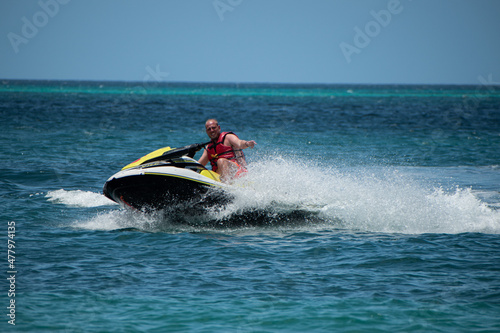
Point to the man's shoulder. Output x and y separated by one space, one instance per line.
229 136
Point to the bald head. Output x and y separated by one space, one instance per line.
213 129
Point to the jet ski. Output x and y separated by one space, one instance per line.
166 177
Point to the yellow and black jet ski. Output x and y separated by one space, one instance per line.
164 178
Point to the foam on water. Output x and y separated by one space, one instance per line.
118 219
371 199
78 198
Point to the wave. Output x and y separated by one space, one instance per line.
78 198
282 193
369 199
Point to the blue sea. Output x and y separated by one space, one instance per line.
365 209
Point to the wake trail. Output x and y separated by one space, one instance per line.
280 192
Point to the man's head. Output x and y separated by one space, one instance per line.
213 129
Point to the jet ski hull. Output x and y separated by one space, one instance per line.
153 191
165 183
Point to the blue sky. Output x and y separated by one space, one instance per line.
288 41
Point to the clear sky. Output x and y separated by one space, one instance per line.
289 41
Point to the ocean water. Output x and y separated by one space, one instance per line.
365 209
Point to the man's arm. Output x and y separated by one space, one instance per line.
204 158
237 143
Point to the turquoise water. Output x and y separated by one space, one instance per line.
366 208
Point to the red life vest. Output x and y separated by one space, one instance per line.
220 150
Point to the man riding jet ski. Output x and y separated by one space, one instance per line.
169 176
224 151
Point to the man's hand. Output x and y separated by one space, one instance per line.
250 143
